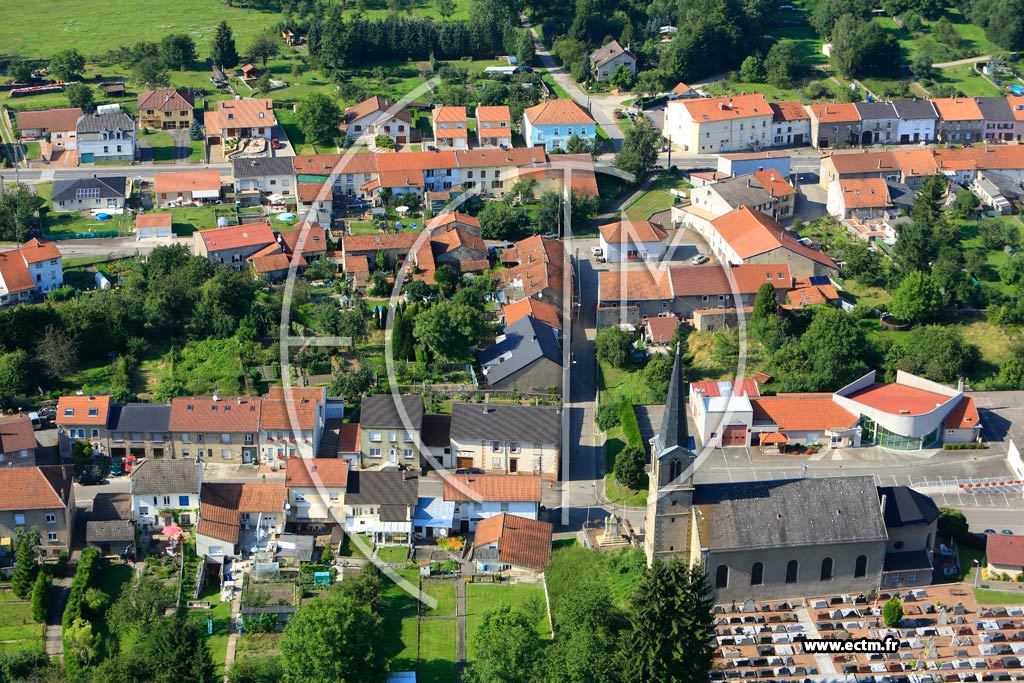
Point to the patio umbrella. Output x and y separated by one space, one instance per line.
171 530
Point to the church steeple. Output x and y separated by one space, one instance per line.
673 433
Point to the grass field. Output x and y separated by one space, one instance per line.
393 554
990 597
572 565
221 615
656 198
16 624
616 384
620 495
483 597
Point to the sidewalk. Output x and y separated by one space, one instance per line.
54 634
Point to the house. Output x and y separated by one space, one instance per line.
162 489
715 286
272 263
805 294
17 441
378 116
316 492
525 357
82 418
1016 103
834 125
141 430
260 176
165 109
509 543
59 126
535 269
962 424
861 198
217 429
433 518
911 523
804 419
918 120
879 123
1000 122
291 428
609 57
633 240
538 310
1004 554
450 129
960 120
766 191
249 72
389 430
661 331
494 126
361 250
236 518
992 193
451 221
682 90
437 443
314 200
186 187
234 244
720 124
105 137
859 165
307 239
629 296
462 250
381 505
722 412
552 122
111 528
748 236
30 270
745 163
350 173
480 496
495 171
98 193
240 119
41 498
791 124
507 439
153 226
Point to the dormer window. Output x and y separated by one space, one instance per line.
94 412
68 412
261 115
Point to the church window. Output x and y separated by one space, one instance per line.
792 567
757 574
860 570
722 576
826 569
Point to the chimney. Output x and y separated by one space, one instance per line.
879 164
748 181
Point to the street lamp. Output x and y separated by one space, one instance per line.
977 572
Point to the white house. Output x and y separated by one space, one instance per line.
609 57
722 124
98 193
633 241
316 491
381 504
106 137
378 116
34 268
235 518
291 427
479 496
918 121
161 485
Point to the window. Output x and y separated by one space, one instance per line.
155 500
298 496
183 501
185 452
167 500
393 437
496 446
406 452
826 569
51 518
513 447
376 436
792 568
860 569
496 463
184 438
95 433
51 536
722 576
374 452
225 438
407 437
225 453
675 470
757 574
143 510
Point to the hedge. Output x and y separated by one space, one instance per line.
630 426
75 609
970 446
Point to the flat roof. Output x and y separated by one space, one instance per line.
899 399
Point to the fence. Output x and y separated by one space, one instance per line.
61 236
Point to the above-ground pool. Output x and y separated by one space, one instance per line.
103 216
286 216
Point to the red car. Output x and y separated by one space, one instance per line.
129 463
275 143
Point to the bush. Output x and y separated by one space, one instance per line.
629 466
261 623
969 446
630 426
892 612
256 670
607 416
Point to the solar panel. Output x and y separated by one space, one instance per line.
819 280
87 193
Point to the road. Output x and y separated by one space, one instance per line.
42 173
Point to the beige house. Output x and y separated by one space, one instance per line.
316 492
503 439
389 430
216 429
40 498
234 518
82 418
57 124
165 109
494 171
494 126
1004 555
450 129
604 61
234 244
140 430
377 116
722 124
767 191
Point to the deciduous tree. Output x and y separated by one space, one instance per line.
79 95
507 648
265 46
317 643
67 65
613 346
318 118
178 51
639 149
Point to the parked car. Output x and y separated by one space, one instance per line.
507 245
597 251
1007 532
990 531
90 478
276 143
36 421
699 259
117 468
469 470
550 236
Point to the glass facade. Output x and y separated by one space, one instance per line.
875 434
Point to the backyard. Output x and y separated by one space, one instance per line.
656 197
17 629
572 565
484 597
220 613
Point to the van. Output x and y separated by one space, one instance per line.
37 423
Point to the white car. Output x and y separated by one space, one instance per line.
596 251
550 236
699 259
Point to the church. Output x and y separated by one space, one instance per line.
783 538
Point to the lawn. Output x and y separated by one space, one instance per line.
437 651
393 554
112 579
483 597
39 29
400 616
616 384
221 615
163 147
90 377
16 622
990 597
572 566
967 557
444 593
619 494
258 645
656 198
188 219
968 81
350 549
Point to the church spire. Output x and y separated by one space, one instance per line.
673 423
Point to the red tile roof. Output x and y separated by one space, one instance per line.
805 294
36 250
486 158
35 488
557 112
331 472
258 113
449 218
348 437
790 110
16 434
296 394
203 414
750 232
450 115
964 415
61 120
238 236
324 164
898 399
540 265
166 99
634 285
865 193
153 220
1017 105
296 415
314 238
541 310
497 113
1005 549
371 105
509 488
15 273
775 183
745 387
958 109
725 108
221 505
835 113
622 232
713 279
83 410
802 412
186 181
357 243
662 329
864 162
681 89
521 542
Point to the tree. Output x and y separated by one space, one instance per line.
79 95
25 566
938 352
507 648
523 189
17 208
657 374
265 46
262 85
916 299
944 32
622 78
765 307
318 118
222 50
607 416
195 130
40 597
752 70
178 51
892 612
15 370
629 467
316 646
351 384
834 348
446 8
20 72
783 64
579 145
613 345
446 278
81 641
863 48
138 608
447 330
921 65
588 629
81 455
151 73
827 13
952 523
501 220
265 669
670 614
639 149
67 65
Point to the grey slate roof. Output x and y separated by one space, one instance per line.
673 431
744 190
108 507
915 560
96 123
139 417
902 195
165 476
386 487
905 506
109 187
915 109
394 513
529 340
118 530
995 108
876 110
526 424
298 547
262 166
788 512
608 52
381 410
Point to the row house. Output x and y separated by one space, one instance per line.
82 418
960 120
507 439
17 441
31 270
858 166
316 492
723 124
390 430
791 124
40 498
494 126
450 128
235 518
381 505
215 428
140 430
259 177
165 490
233 245
879 123
480 496
834 125
1000 124
291 424
536 269
918 121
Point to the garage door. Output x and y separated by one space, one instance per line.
735 436
463 463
